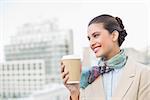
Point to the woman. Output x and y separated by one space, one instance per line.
117 76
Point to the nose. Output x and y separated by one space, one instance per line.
92 42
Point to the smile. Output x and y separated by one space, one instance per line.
96 49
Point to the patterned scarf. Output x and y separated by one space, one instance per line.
104 66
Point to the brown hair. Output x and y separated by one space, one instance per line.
111 24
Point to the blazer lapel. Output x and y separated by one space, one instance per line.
125 81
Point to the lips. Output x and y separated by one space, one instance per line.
96 49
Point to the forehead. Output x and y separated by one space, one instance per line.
95 27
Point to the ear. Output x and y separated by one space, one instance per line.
115 35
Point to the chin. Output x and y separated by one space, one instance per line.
98 55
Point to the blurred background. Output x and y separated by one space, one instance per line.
35 34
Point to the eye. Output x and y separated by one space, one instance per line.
96 35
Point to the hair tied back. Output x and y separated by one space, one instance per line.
120 22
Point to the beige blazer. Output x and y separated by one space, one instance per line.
134 84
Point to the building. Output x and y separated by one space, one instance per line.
89 58
42 40
21 78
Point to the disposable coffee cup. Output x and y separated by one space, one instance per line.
73 65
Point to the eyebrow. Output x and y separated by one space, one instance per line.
95 33
92 34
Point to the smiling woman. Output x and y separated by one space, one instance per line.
115 68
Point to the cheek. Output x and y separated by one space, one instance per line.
106 43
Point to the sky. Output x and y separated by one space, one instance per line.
75 15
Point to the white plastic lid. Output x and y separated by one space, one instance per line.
70 57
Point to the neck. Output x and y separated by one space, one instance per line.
112 53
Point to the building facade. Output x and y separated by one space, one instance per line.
41 41
89 58
21 78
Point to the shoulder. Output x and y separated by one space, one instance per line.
143 73
142 68
139 67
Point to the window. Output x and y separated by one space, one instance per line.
24 80
29 74
57 98
34 74
23 74
14 95
40 74
4 96
28 66
18 66
23 67
40 66
34 80
40 80
12 66
34 66
3 67
8 67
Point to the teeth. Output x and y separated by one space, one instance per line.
96 49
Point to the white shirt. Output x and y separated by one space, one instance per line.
110 81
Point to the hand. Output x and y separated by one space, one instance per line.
73 88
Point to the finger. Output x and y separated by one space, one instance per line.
62 68
66 79
64 74
61 62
